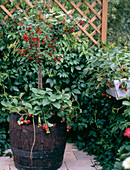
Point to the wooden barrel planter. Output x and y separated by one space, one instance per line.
48 150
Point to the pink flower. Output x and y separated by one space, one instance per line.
127 132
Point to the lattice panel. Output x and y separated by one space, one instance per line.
94 11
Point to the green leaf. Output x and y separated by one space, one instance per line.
127 103
45 102
27 104
57 105
58 96
37 108
39 91
52 98
48 89
78 67
60 113
76 91
15 88
15 101
21 95
32 112
49 124
4 103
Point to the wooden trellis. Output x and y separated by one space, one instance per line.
100 15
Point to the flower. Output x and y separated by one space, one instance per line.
71 31
50 25
127 132
43 42
59 58
29 28
103 94
30 58
25 37
81 23
63 21
126 163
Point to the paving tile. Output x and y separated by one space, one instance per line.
80 155
7 163
97 166
68 146
7 151
79 165
68 156
63 167
73 160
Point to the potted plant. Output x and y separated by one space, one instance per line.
38 128
38 122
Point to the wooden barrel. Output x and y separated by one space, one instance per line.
48 150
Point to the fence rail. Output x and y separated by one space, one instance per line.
95 28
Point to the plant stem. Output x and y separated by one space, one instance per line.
34 139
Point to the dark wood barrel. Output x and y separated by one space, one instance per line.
48 150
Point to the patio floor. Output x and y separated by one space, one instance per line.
73 160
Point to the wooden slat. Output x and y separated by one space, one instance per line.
29 3
87 34
16 6
104 20
92 20
93 10
100 3
73 10
61 6
94 32
85 17
4 9
87 25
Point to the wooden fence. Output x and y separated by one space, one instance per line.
94 11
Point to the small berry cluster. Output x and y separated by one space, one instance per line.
122 87
105 95
111 85
68 128
44 127
24 121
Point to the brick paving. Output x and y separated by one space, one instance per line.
73 160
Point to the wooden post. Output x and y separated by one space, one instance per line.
104 20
